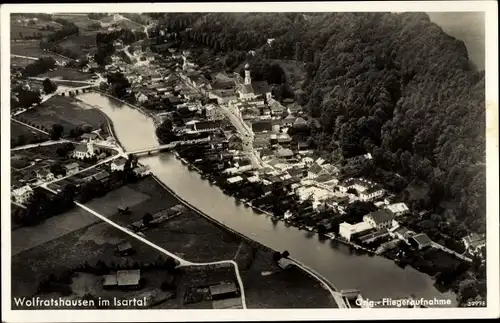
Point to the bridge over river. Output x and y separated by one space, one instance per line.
171 145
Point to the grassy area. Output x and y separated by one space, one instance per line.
18 31
81 21
82 43
23 135
32 49
68 74
66 111
197 239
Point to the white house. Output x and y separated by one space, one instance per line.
84 151
22 194
398 208
371 193
45 175
118 164
348 231
381 219
474 243
72 168
142 170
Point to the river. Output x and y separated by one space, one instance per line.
375 276
468 27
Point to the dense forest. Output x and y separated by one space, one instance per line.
394 85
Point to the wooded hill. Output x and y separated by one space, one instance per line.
394 85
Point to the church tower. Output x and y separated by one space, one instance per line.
90 148
248 79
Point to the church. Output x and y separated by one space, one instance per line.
83 151
250 90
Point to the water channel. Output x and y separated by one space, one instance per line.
375 276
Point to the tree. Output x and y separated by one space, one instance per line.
147 218
276 256
49 86
56 132
285 254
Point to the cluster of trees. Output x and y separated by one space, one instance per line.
68 29
25 98
96 15
104 42
44 205
56 132
118 84
224 32
40 66
58 49
165 132
49 86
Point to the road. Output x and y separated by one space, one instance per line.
245 133
45 143
62 80
27 125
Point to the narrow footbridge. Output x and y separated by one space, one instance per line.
171 145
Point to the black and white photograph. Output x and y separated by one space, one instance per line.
195 158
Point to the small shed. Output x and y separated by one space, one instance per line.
124 249
285 263
223 290
128 278
109 281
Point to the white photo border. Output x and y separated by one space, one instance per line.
491 66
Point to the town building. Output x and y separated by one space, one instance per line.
285 263
371 193
350 231
474 243
124 249
102 176
88 137
420 241
381 219
23 194
398 208
142 170
45 175
72 168
252 89
118 164
83 151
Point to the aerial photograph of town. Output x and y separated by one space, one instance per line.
209 160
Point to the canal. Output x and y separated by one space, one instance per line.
345 268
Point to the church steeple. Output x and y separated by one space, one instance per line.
248 79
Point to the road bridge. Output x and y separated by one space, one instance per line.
171 145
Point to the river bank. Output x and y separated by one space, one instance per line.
341 265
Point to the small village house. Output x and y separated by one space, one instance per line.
381 219
23 194
474 243
420 241
118 164
285 263
72 168
89 137
398 208
45 175
128 279
124 249
102 176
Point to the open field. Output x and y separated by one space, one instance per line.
66 111
22 135
52 228
82 43
32 49
67 74
19 61
86 245
81 21
19 31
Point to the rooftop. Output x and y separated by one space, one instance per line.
128 277
223 288
71 166
421 238
381 216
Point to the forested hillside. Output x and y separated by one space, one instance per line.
394 85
